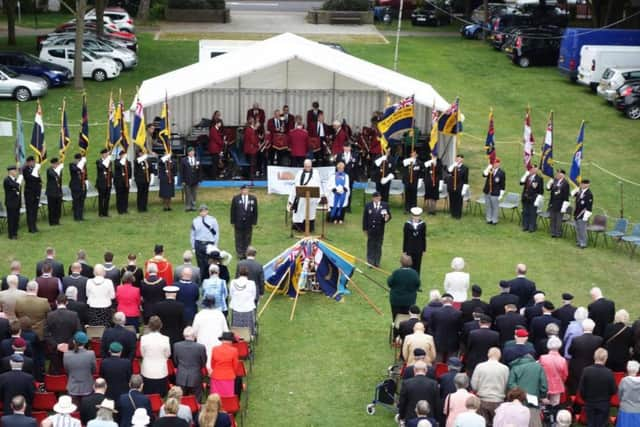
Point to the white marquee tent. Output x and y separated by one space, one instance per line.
285 69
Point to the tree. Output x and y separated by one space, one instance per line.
143 10
100 6
10 6
81 7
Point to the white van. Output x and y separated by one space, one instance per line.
594 60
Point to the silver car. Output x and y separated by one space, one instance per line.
613 78
125 58
20 86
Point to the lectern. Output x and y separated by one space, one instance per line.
308 193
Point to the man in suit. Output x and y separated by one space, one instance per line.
86 269
12 201
498 302
111 272
77 280
256 272
538 327
121 176
54 191
375 215
171 312
81 308
350 161
288 119
506 323
36 308
457 185
116 371
244 216
381 175
32 191
522 287
494 187
468 307
9 297
187 258
597 387
19 346
414 241
18 418
565 314
582 213
14 383
190 168
312 115
299 143
78 185
128 402
50 257
8 345
536 309
103 182
406 326
141 173
61 325
479 342
558 202
190 358
418 339
532 188
118 333
15 268
88 405
602 311
420 387
581 350
446 325
49 287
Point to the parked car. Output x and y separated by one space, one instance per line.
93 66
125 58
628 99
594 60
22 87
524 16
472 31
119 16
537 47
575 38
495 9
613 78
407 6
429 15
501 25
25 63
122 36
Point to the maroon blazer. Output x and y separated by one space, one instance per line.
257 115
312 118
49 288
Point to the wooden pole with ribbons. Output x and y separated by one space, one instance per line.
362 294
295 303
275 289
372 266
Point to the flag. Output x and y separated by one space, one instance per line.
528 141
124 130
575 174
139 131
83 139
65 139
490 144
396 120
114 128
433 138
546 160
37 136
164 128
20 152
449 121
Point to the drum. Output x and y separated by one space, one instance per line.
280 141
314 143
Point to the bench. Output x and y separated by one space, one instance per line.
345 18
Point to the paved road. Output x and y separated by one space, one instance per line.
273 5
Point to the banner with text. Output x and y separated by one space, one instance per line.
280 179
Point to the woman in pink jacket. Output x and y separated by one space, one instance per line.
128 298
556 369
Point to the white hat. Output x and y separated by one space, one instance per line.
416 211
140 418
171 289
336 123
107 404
64 405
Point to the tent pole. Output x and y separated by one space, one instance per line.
286 85
333 98
275 289
239 101
361 292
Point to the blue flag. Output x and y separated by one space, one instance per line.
449 122
20 152
83 139
396 120
575 174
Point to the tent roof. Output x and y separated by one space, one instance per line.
269 52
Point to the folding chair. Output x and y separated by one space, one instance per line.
511 201
396 188
478 203
55 383
598 226
619 230
191 402
369 189
156 402
44 401
92 193
395 325
231 405
3 217
631 239
95 332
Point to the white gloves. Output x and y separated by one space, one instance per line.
82 162
574 192
339 189
428 163
130 182
152 180
441 186
486 170
379 160
501 195
406 162
420 183
36 170
386 179
538 202
565 206
123 161
86 182
19 179
549 184
452 166
142 158
166 157
59 168
524 177
465 189
586 215
106 162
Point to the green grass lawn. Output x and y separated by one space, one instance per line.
321 368
40 20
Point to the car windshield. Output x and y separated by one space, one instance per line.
10 73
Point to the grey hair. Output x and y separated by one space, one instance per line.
214 269
152 268
32 286
622 316
457 264
581 313
554 343
119 318
12 280
461 381
187 256
633 367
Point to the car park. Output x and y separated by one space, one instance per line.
613 78
25 63
594 60
495 9
125 58
428 15
118 16
93 66
22 87
628 99
122 36
537 47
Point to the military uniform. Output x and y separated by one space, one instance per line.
432 178
54 193
190 180
244 215
373 223
382 176
559 194
457 181
414 242
78 187
142 177
32 190
494 187
412 173
103 185
121 176
12 204
165 177
532 187
584 207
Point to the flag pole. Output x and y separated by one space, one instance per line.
395 55
17 130
413 141
372 266
373 280
275 289
361 292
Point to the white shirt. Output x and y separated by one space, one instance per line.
242 295
100 292
457 283
155 349
208 326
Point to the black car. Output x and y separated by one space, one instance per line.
537 47
25 63
628 99
501 25
429 15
